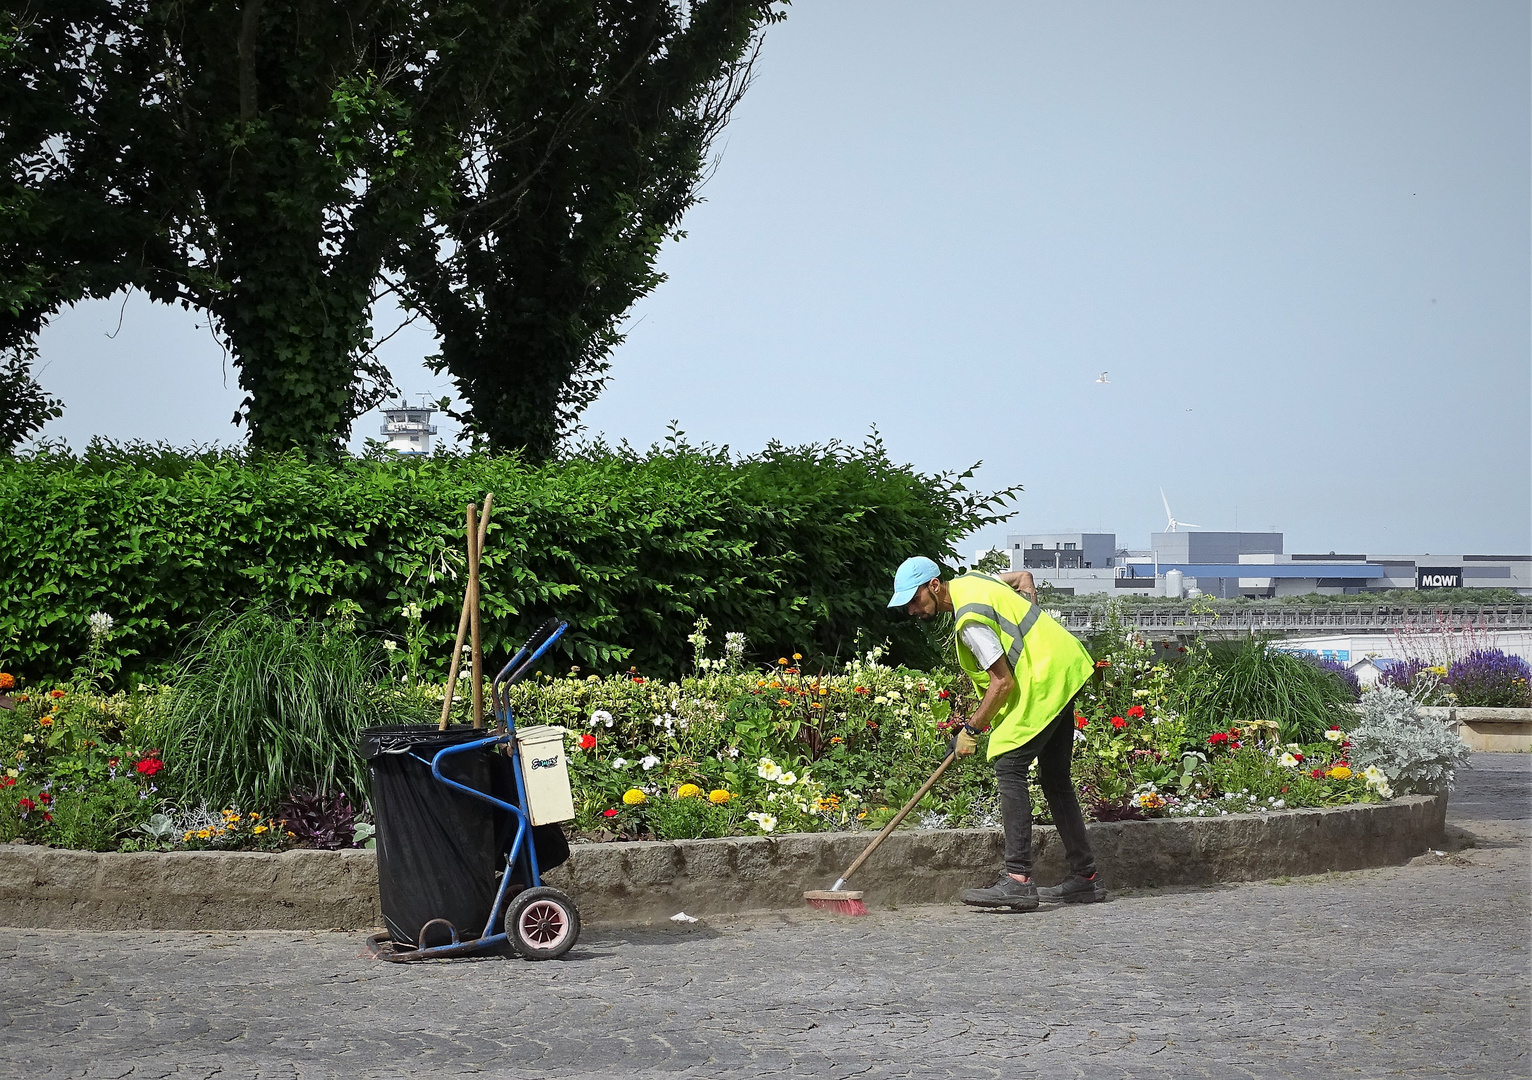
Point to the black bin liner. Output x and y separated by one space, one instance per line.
439 849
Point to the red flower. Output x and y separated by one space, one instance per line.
1119 722
609 813
1233 744
27 805
1218 738
1334 727
1345 745
1103 663
45 796
55 693
944 695
47 817
1297 756
1284 789
7 781
1318 774
637 681
587 742
1180 648
872 723
149 766
112 762
1080 722
1136 711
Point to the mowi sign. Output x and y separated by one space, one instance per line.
1438 577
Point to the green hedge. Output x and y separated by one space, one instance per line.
793 546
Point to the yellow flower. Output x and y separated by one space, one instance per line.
203 834
46 721
259 829
797 656
187 837
254 816
687 791
760 682
823 691
782 660
718 796
1340 772
633 796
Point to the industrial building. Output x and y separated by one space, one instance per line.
1183 562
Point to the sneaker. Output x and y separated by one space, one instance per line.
1073 890
1007 892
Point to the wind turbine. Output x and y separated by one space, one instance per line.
1171 523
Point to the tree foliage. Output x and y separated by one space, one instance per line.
516 162
24 405
572 177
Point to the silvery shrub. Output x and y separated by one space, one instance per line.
1418 754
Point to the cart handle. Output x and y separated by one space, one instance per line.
526 657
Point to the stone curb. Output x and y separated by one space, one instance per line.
646 882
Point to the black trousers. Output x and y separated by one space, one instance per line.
1053 747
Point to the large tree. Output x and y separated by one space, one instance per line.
571 178
516 162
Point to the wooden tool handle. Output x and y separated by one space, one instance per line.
465 618
900 816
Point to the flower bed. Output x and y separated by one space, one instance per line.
734 751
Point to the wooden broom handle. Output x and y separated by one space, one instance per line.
900 816
464 619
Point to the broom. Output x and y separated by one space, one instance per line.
849 901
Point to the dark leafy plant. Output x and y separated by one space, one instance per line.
1490 678
321 821
1251 681
264 704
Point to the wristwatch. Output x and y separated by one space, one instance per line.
975 732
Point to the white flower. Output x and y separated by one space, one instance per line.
600 716
1290 761
768 769
1335 734
412 612
787 779
1385 791
767 822
619 763
648 761
100 623
1374 775
390 646
1280 804
733 751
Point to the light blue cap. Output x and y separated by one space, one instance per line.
911 575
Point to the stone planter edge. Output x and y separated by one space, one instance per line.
646 882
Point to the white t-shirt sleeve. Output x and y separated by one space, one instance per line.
984 643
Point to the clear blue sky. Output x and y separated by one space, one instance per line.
1296 235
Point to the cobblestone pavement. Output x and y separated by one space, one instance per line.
1416 971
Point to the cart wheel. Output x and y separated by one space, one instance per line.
543 923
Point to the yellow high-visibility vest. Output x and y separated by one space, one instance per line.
1050 665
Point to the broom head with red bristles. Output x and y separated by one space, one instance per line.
839 903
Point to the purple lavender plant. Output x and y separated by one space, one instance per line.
1401 673
1340 671
1490 678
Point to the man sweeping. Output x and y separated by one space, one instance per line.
1027 670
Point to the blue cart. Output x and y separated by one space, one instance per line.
539 922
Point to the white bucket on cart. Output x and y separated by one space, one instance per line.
545 772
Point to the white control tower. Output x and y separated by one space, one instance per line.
408 429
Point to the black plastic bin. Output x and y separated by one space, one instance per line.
439 850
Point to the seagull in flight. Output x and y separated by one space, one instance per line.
1101 378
